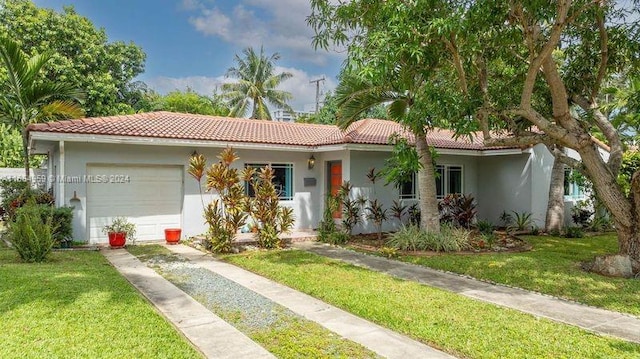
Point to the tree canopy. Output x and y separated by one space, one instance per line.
81 53
522 72
256 85
191 102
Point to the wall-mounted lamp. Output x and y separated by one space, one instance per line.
311 162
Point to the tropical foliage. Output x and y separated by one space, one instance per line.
81 55
503 67
25 97
256 85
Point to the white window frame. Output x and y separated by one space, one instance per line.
575 192
258 165
414 188
445 179
445 183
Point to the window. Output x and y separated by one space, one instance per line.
282 179
448 181
571 187
408 189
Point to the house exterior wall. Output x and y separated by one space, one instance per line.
306 201
362 161
506 185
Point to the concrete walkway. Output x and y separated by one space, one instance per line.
214 337
380 340
597 320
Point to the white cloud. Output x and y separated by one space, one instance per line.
279 25
303 91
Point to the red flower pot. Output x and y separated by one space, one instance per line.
117 239
172 235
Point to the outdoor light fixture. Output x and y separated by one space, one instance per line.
311 162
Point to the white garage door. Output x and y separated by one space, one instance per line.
150 196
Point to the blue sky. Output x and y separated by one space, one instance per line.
191 43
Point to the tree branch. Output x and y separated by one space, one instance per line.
604 57
547 49
559 155
609 132
457 62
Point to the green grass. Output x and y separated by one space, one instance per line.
77 305
290 337
552 267
445 320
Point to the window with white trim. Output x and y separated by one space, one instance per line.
449 180
408 190
282 179
571 188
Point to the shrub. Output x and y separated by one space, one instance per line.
484 227
449 239
414 214
406 239
377 214
265 208
16 194
521 221
337 237
30 236
581 214
61 219
350 214
327 226
457 210
226 214
574 232
398 210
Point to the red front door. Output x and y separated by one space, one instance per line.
335 181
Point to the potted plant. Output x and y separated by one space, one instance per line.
118 232
172 235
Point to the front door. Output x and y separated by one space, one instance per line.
335 181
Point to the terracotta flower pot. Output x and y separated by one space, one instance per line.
172 235
117 239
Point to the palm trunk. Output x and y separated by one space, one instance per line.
429 214
25 153
555 206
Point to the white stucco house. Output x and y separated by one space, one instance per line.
136 166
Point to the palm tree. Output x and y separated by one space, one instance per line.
356 96
256 85
26 97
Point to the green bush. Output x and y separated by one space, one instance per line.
574 232
337 237
484 227
16 193
30 235
61 219
449 239
406 239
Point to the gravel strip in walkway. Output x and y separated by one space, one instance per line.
279 330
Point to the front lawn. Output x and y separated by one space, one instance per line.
551 267
454 323
77 305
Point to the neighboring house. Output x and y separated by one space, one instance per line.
136 166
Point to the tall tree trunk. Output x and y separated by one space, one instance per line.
625 211
555 206
429 215
25 153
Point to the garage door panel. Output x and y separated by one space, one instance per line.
151 198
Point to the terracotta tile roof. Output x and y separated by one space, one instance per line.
211 128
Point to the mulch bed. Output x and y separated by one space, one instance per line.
504 243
